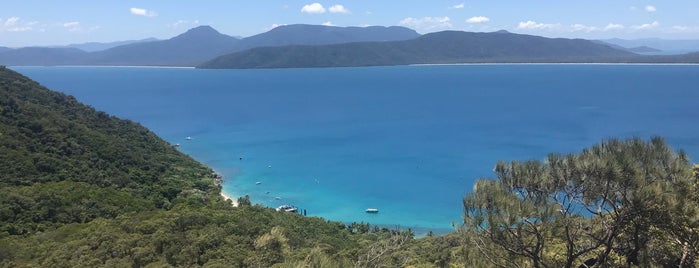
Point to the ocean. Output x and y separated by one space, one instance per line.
408 140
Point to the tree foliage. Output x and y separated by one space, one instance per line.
616 202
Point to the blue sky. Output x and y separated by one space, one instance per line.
49 22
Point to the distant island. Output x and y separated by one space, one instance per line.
308 46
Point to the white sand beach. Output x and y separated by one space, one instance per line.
234 200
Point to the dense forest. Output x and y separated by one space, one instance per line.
81 188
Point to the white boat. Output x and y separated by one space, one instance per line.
188 138
372 210
287 208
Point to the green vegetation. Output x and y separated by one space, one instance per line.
80 188
619 204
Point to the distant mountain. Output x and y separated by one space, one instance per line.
303 34
666 46
188 49
3 49
644 50
638 50
199 45
98 46
43 56
435 48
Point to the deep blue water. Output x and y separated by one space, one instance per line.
408 140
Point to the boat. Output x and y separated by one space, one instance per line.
287 208
188 138
258 183
372 210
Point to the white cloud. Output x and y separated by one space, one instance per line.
684 29
459 6
428 23
315 8
338 9
14 24
582 27
478 19
533 25
143 12
328 23
650 8
646 26
11 22
184 23
276 25
588 28
72 26
614 27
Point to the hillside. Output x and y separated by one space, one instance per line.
303 34
436 48
43 56
667 46
98 46
80 188
187 49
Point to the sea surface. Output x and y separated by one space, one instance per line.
409 141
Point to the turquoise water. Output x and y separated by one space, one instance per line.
407 140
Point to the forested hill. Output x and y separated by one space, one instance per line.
436 48
81 188
63 162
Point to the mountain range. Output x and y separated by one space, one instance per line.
663 46
303 45
98 46
198 45
448 47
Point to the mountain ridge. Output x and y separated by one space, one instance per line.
444 47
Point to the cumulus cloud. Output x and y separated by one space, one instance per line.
143 12
184 23
72 26
588 28
13 24
614 27
478 19
582 27
315 8
328 23
684 29
459 6
427 23
646 26
533 25
338 9
650 8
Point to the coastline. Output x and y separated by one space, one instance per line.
227 197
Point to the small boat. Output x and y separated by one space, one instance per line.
188 138
258 183
287 208
372 210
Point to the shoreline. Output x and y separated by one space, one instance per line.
227 197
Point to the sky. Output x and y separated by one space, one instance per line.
61 22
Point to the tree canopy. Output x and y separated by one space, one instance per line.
622 202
